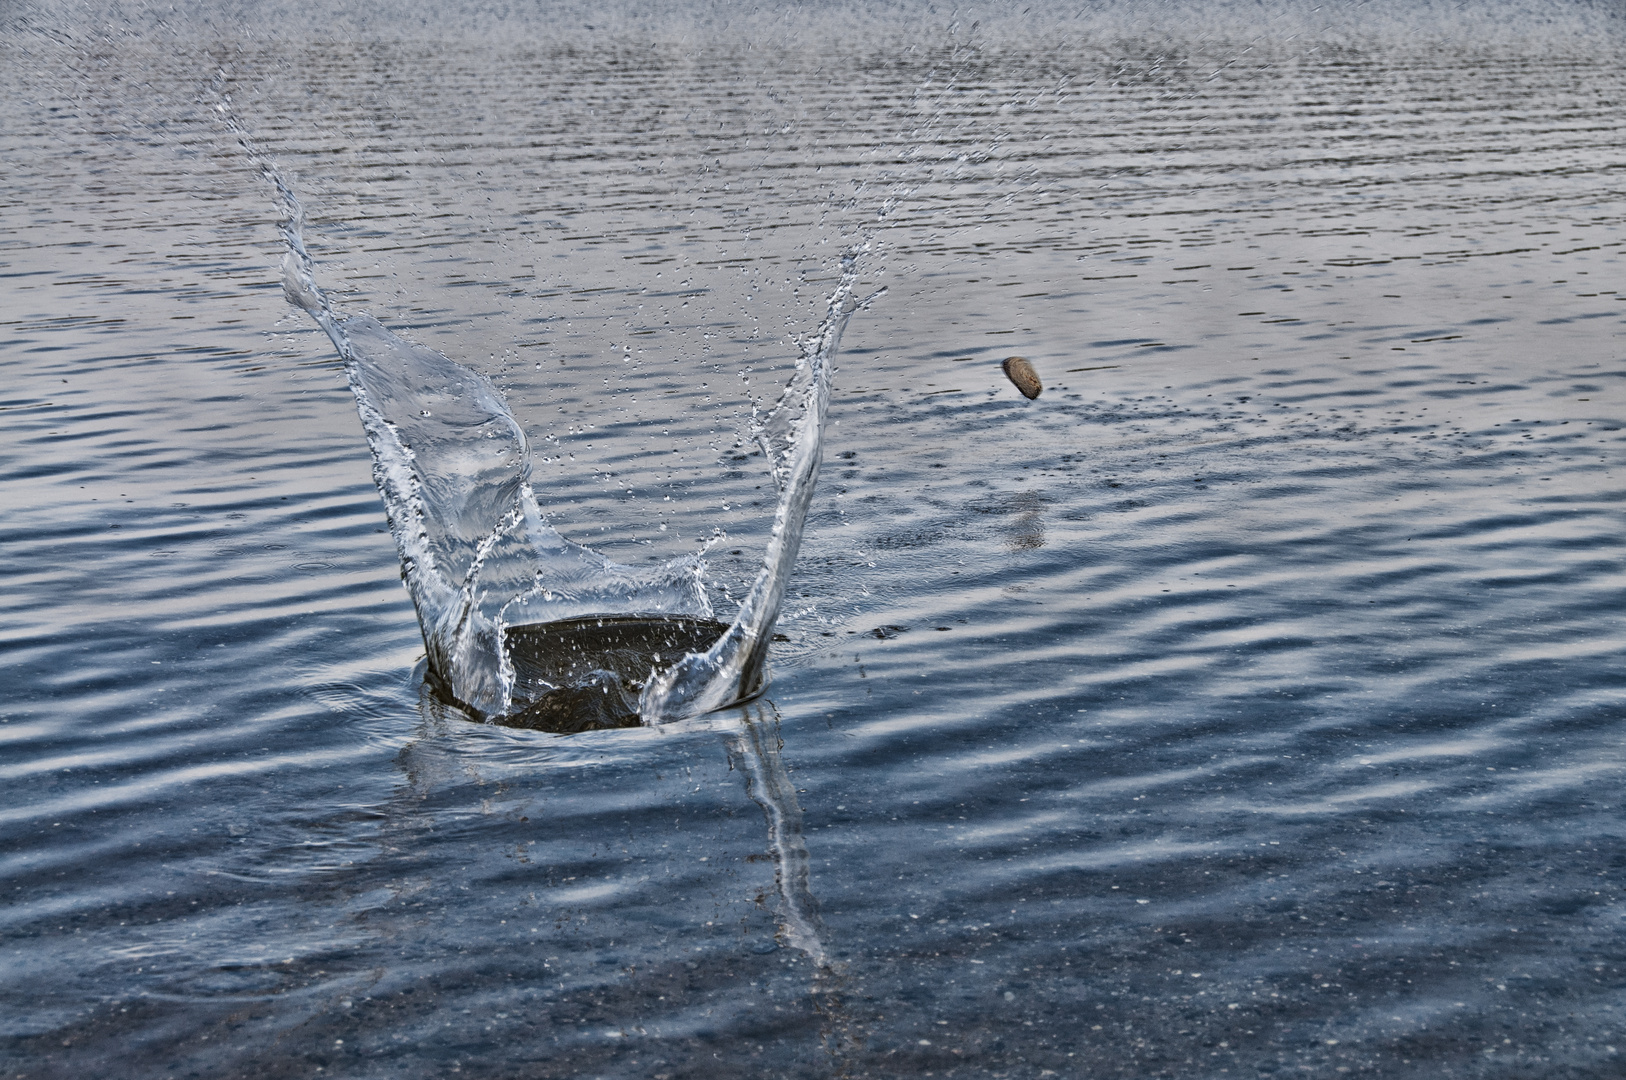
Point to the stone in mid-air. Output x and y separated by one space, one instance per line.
1021 373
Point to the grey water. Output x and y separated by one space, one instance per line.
1250 703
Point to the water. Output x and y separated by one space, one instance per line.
1247 704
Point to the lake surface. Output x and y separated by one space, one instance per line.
1251 703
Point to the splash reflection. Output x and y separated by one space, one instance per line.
754 749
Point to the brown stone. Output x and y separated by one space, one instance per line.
1021 373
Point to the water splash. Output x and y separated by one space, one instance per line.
501 596
792 439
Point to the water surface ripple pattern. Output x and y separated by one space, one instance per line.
1248 704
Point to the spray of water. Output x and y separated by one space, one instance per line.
520 624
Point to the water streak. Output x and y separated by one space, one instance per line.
477 552
754 748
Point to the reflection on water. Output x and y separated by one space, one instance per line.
1249 703
754 748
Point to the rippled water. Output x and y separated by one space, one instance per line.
1250 703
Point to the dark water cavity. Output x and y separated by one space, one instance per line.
1249 704
581 674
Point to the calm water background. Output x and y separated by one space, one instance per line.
1250 704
